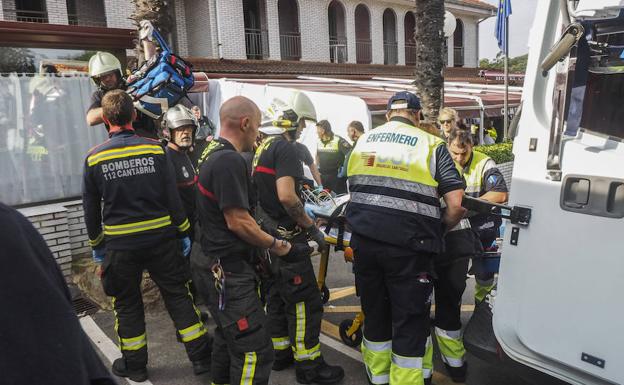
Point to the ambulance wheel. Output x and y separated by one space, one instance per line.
355 339
325 294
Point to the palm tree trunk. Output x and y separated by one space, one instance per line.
156 11
429 37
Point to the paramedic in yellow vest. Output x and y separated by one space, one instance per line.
483 180
397 175
331 151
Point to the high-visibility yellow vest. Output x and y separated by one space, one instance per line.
395 151
331 146
394 196
329 155
473 173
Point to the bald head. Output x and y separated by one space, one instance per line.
237 108
240 119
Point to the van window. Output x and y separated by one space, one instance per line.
603 105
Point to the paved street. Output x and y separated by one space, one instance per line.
168 363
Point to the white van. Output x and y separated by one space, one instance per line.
559 305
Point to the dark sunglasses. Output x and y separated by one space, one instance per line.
446 121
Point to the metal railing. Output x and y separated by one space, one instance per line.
458 56
290 46
391 53
338 49
257 43
363 51
410 54
25 15
74 19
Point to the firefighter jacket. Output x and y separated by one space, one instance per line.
397 174
131 177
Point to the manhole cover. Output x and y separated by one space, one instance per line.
84 307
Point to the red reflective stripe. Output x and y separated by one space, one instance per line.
206 193
173 59
265 170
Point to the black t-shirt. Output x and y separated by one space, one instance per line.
304 154
186 180
143 125
278 160
224 182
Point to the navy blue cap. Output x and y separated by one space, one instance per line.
404 100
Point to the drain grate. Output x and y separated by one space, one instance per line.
84 307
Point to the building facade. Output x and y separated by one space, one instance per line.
338 31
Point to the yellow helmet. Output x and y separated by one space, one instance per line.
102 63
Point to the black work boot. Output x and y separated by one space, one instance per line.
120 368
428 381
201 366
322 374
457 374
283 363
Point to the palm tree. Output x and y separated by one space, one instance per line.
429 37
156 11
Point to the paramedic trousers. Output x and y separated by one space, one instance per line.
242 351
122 273
295 310
395 291
449 287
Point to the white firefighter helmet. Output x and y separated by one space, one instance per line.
303 107
280 116
102 63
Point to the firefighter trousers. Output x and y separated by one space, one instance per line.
242 351
449 287
395 291
295 310
122 273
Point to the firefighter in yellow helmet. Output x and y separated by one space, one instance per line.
106 73
293 302
397 175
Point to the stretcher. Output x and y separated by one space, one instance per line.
329 210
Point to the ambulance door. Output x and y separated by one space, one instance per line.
560 302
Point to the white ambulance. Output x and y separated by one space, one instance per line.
559 305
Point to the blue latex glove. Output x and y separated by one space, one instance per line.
186 246
318 188
98 255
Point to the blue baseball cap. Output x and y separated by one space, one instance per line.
404 100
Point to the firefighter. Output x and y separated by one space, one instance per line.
331 151
397 174
294 301
226 272
182 125
483 180
142 215
205 134
106 73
